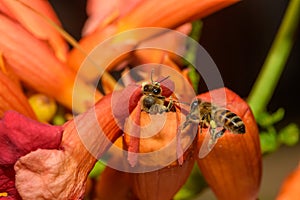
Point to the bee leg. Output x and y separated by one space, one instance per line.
170 104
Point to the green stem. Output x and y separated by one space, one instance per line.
267 80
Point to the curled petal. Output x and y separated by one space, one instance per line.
147 13
102 12
33 62
12 98
18 139
161 14
35 23
19 136
61 174
50 174
290 186
233 167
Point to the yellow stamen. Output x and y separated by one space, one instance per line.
3 194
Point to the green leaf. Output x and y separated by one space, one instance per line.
289 135
266 120
268 141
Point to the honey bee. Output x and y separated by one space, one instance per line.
152 100
218 119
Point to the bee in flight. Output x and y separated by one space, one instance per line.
218 120
152 100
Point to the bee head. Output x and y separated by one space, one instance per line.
153 88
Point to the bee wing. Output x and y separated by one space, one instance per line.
207 145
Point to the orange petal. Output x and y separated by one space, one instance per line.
12 98
103 12
290 187
158 147
149 13
35 23
161 184
169 13
34 63
62 174
233 168
109 180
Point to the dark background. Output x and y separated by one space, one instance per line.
238 39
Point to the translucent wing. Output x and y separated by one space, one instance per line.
207 145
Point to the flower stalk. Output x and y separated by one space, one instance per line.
271 71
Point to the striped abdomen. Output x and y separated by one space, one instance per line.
229 121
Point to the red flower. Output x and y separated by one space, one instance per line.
19 136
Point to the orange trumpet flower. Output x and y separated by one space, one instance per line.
168 14
34 61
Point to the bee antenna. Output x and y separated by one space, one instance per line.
151 76
164 79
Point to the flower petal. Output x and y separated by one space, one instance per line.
20 135
102 12
233 168
290 186
148 13
12 98
33 62
36 24
61 174
155 13
109 180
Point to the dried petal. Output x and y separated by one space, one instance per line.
36 24
62 174
290 187
18 137
233 167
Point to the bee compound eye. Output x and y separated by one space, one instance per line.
156 91
146 88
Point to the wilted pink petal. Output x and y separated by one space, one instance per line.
61 174
19 136
7 183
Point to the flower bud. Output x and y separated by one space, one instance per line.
233 167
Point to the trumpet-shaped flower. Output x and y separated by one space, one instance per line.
33 60
233 168
139 14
